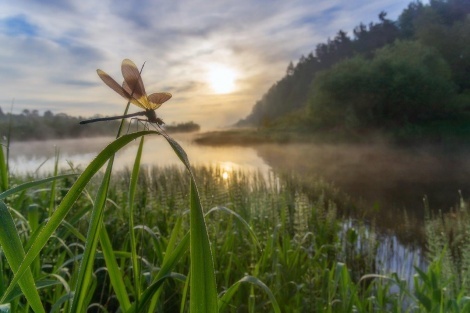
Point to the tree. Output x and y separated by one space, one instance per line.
441 25
405 83
452 42
406 20
339 91
290 69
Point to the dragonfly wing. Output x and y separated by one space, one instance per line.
138 102
155 100
133 81
108 80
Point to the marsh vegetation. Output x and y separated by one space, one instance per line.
271 234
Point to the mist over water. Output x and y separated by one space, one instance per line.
385 185
375 175
38 156
381 173
28 157
389 179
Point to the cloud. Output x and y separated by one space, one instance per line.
51 49
77 82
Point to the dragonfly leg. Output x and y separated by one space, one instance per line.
132 122
129 126
144 122
137 122
159 128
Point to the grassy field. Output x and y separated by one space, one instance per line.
137 241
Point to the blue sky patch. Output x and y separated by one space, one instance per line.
17 26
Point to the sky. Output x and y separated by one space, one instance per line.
216 57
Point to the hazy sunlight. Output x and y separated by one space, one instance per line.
221 78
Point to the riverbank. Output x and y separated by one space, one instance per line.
439 134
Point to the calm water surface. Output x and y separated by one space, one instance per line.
377 175
27 157
389 179
383 176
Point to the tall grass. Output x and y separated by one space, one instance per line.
203 298
449 246
121 242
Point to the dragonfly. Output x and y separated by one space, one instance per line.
134 91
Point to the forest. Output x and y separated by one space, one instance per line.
408 78
30 125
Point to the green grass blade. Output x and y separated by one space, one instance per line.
75 232
179 152
170 258
114 272
148 293
184 296
68 201
58 304
32 184
14 253
203 291
53 187
42 284
225 299
86 266
169 262
132 188
240 219
173 238
97 230
3 171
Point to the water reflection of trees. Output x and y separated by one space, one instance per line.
381 185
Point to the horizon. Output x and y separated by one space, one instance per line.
217 59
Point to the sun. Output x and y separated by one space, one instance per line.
221 78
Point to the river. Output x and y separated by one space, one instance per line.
38 156
376 177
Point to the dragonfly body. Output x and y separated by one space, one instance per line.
134 91
150 114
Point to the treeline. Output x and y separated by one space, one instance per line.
30 125
183 127
406 76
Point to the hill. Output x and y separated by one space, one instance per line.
406 78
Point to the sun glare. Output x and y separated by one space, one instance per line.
221 79
227 170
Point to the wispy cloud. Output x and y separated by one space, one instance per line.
51 49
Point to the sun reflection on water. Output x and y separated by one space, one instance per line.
227 169
29 156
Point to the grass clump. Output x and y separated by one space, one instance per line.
449 244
